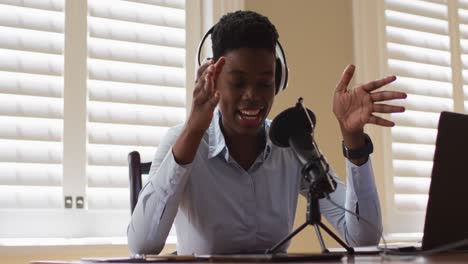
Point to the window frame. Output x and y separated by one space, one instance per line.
371 58
72 226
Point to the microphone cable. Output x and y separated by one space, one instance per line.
374 227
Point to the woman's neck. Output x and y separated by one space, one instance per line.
244 148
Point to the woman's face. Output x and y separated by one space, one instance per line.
246 87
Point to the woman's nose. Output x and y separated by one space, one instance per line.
250 92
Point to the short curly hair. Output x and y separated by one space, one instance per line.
243 29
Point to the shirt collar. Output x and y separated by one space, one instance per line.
217 144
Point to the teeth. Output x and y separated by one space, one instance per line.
250 112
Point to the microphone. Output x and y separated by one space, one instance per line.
294 127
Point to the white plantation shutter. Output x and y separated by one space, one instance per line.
31 112
463 27
421 48
136 83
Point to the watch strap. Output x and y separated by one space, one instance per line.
362 152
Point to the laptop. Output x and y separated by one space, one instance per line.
447 208
446 219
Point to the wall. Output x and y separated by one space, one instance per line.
318 40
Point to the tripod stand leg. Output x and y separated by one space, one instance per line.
320 238
279 244
349 249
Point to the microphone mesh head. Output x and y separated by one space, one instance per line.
290 121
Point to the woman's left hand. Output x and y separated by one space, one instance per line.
355 107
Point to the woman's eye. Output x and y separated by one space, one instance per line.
266 85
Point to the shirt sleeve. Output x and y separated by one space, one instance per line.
359 196
158 200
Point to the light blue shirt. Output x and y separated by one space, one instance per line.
218 207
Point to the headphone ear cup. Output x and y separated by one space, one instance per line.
278 76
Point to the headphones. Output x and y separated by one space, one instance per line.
281 75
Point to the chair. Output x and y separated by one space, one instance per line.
135 170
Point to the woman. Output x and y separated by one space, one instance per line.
219 178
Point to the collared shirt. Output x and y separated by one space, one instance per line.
218 207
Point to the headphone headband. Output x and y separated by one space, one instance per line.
282 70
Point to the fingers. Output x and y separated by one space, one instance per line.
209 80
383 108
202 69
380 121
387 95
219 66
371 86
348 73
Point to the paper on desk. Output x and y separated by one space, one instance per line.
143 259
380 248
367 250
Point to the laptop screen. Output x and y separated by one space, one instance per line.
447 209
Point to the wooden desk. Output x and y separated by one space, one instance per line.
442 258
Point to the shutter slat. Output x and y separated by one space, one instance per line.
180 4
406 151
27 197
118 92
31 40
417 38
104 176
135 12
419 103
115 155
117 134
411 202
423 87
417 7
31 84
412 168
413 135
31 62
463 31
463 16
30 151
135 73
416 119
52 5
135 114
28 18
108 199
136 53
30 174
411 185
30 129
420 70
137 33
414 22
415 54
31 106
463 4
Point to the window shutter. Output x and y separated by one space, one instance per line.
463 27
418 51
31 110
136 83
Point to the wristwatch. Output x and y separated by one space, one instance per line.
362 152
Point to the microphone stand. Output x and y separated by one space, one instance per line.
313 215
